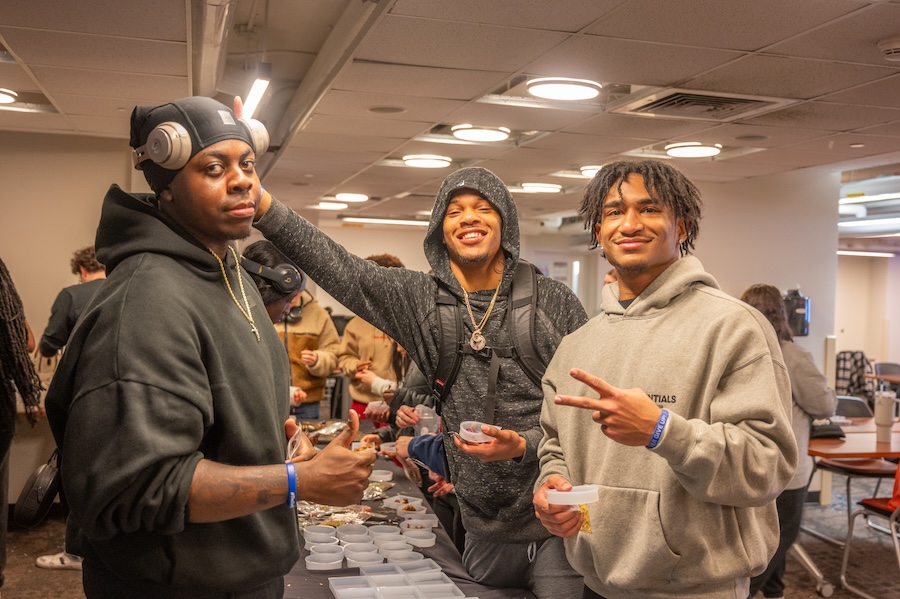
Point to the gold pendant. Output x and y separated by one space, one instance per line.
477 341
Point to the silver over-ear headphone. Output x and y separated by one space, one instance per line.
169 144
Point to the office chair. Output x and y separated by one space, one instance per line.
855 407
872 507
889 368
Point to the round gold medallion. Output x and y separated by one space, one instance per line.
477 341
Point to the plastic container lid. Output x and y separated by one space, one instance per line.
420 538
578 495
470 430
381 475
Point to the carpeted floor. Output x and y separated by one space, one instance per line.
872 565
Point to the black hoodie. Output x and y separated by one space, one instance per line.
161 371
495 497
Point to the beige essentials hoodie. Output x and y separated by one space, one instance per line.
314 331
694 517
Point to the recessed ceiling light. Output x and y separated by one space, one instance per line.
7 96
472 133
563 88
857 146
692 149
351 197
591 170
426 161
865 254
329 206
539 188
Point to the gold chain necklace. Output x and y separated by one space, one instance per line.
246 312
477 340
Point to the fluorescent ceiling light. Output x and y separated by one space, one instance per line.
875 222
329 206
264 73
426 161
692 149
563 88
863 199
472 133
385 221
866 254
589 171
535 188
351 197
7 96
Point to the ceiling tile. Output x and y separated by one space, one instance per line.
516 118
104 53
414 108
97 125
559 15
639 127
731 135
453 45
853 39
890 129
781 77
624 61
714 24
884 92
452 84
825 116
160 19
159 88
343 143
366 127
15 78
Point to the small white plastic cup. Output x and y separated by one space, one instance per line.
357 560
390 547
324 561
578 495
399 557
356 538
336 550
470 430
351 529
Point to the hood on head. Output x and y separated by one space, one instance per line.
489 186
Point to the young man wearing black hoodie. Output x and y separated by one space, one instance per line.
170 401
472 245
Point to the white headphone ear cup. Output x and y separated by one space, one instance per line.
169 145
258 134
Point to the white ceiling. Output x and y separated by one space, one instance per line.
814 64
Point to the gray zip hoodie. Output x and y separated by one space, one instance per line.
495 497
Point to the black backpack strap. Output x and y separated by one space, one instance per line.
450 333
521 321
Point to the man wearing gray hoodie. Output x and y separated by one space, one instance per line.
472 245
684 424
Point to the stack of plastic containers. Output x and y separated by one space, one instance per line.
415 580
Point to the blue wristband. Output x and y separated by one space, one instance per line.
292 485
660 426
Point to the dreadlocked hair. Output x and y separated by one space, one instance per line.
15 360
663 181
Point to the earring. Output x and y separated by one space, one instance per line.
602 251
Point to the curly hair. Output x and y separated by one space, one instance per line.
87 258
16 367
663 181
387 260
768 300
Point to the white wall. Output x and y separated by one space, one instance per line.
780 230
53 187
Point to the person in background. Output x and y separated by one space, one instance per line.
70 302
16 374
170 404
67 307
367 352
687 433
312 340
812 398
610 277
312 345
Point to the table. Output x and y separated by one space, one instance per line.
301 583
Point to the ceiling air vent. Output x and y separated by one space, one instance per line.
695 105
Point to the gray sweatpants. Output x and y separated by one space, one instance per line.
541 567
